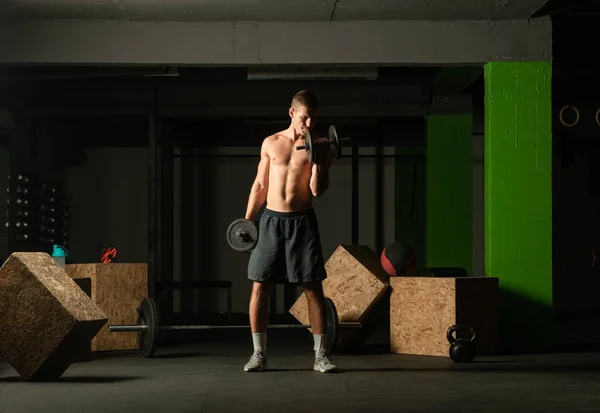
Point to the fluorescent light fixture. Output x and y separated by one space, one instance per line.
308 73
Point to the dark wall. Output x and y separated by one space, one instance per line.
576 183
109 183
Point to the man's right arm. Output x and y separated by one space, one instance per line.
319 179
258 192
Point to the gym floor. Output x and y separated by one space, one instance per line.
205 375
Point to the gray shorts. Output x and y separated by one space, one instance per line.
288 249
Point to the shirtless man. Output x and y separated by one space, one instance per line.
289 245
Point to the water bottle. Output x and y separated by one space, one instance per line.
59 253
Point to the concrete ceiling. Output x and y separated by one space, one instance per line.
267 10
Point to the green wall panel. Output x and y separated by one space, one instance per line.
518 199
450 191
409 200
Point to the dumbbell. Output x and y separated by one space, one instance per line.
242 235
334 141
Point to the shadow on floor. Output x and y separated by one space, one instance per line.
77 379
285 370
524 324
102 355
180 355
368 349
485 367
160 354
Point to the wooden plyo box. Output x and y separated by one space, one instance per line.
423 308
356 283
46 320
118 289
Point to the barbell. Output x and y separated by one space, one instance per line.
335 142
148 328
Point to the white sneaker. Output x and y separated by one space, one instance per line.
324 364
257 362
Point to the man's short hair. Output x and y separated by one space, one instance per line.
305 98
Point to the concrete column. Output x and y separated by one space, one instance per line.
518 200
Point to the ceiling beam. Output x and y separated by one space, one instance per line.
191 99
453 81
554 7
424 43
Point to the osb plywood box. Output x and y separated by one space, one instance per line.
45 318
355 282
118 289
423 308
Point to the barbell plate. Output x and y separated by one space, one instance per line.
247 227
308 146
308 139
148 316
335 140
333 326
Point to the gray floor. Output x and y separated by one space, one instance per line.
207 376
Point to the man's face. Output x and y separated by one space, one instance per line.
302 119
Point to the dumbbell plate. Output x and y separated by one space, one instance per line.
148 316
246 226
309 147
334 140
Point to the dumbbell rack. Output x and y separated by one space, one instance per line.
37 214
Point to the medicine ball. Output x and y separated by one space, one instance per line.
398 259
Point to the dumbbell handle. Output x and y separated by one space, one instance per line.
301 147
242 235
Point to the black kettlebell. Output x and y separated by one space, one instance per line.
462 350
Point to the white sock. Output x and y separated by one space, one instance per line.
260 342
320 340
